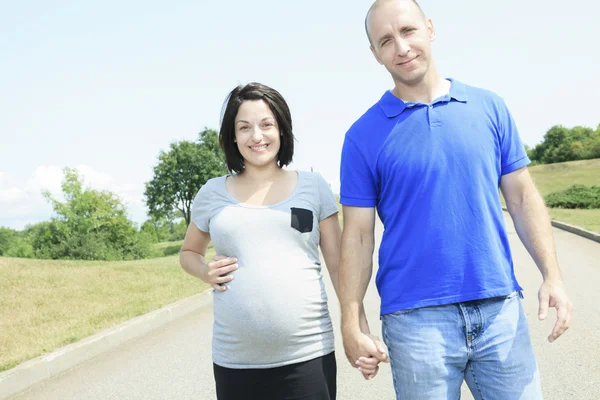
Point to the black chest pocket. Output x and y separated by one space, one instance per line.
302 220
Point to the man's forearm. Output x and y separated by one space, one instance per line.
533 226
363 322
354 277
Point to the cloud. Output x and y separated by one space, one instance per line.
12 195
24 205
96 180
45 177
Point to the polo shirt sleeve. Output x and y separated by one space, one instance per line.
513 152
358 187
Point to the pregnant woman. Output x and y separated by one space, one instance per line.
272 333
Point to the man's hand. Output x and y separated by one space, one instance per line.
369 366
364 352
553 294
218 272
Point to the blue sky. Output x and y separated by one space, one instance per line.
104 86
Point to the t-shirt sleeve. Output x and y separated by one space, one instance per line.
513 152
328 204
201 209
358 186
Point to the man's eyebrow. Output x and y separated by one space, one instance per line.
386 36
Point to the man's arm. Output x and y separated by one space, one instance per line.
356 266
529 214
330 247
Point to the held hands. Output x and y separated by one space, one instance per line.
553 294
365 352
217 272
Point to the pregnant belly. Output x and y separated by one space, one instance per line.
254 324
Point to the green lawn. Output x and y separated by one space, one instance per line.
46 304
165 249
588 219
553 177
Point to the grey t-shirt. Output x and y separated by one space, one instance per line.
274 312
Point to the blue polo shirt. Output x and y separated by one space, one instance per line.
433 172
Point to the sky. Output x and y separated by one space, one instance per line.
104 86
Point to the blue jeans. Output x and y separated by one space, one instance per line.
485 342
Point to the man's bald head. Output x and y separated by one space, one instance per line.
379 3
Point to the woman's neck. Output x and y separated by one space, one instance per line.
261 176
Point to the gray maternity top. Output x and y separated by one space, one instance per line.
274 312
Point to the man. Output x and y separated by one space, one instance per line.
431 156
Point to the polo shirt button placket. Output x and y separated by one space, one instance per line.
433 119
430 114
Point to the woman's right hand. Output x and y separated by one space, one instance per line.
217 270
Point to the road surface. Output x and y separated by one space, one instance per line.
174 362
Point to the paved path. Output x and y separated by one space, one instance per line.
174 362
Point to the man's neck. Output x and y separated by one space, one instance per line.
426 91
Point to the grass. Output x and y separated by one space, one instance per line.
47 304
165 245
165 249
553 177
588 219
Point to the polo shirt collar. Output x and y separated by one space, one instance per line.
393 106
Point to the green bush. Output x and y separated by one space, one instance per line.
163 230
89 225
19 247
139 245
171 250
178 231
6 238
577 196
563 144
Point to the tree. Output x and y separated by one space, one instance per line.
562 144
157 228
20 247
181 172
89 225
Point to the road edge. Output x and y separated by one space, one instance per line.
39 369
577 230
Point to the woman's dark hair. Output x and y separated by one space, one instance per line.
279 108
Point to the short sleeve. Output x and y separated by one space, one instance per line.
358 186
201 209
328 204
513 152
